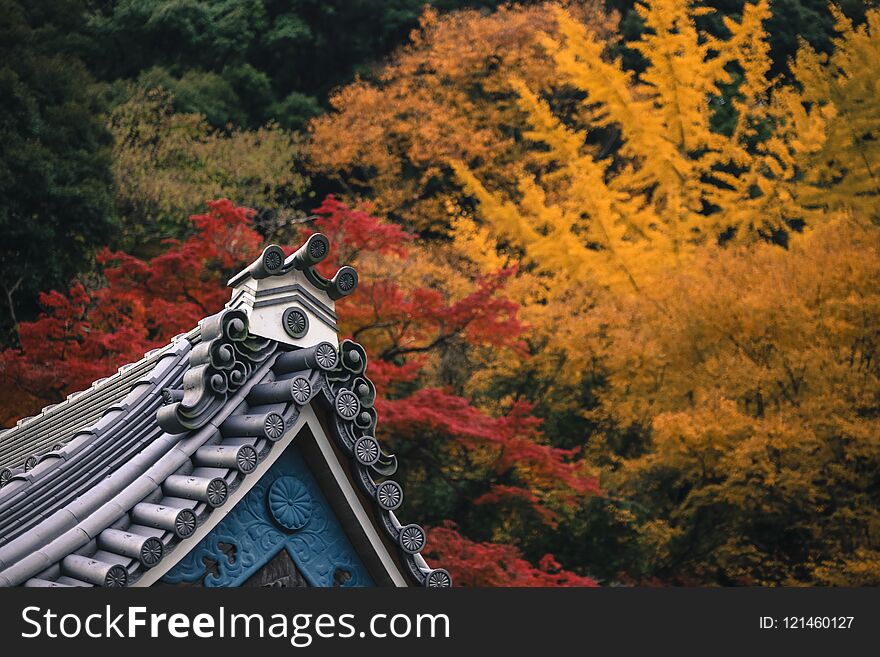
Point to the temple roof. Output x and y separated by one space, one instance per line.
120 480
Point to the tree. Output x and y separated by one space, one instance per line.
55 169
479 463
725 466
249 62
751 383
87 333
674 184
841 169
791 22
166 163
494 564
693 245
446 95
490 469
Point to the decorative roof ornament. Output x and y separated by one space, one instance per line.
219 365
287 300
290 503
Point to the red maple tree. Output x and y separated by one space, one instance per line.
495 564
89 332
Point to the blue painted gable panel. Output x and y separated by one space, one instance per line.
285 510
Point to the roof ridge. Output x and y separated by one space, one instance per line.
272 262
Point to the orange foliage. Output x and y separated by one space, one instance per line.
446 96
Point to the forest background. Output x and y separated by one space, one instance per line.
620 260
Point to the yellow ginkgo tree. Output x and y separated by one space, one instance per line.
841 164
736 397
676 183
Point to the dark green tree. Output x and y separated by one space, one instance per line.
56 186
249 61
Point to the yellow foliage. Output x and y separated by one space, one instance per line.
675 184
756 370
862 569
842 168
674 187
741 377
670 188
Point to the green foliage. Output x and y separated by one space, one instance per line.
55 170
239 64
249 61
198 92
167 163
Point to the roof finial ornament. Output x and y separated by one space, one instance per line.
287 299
